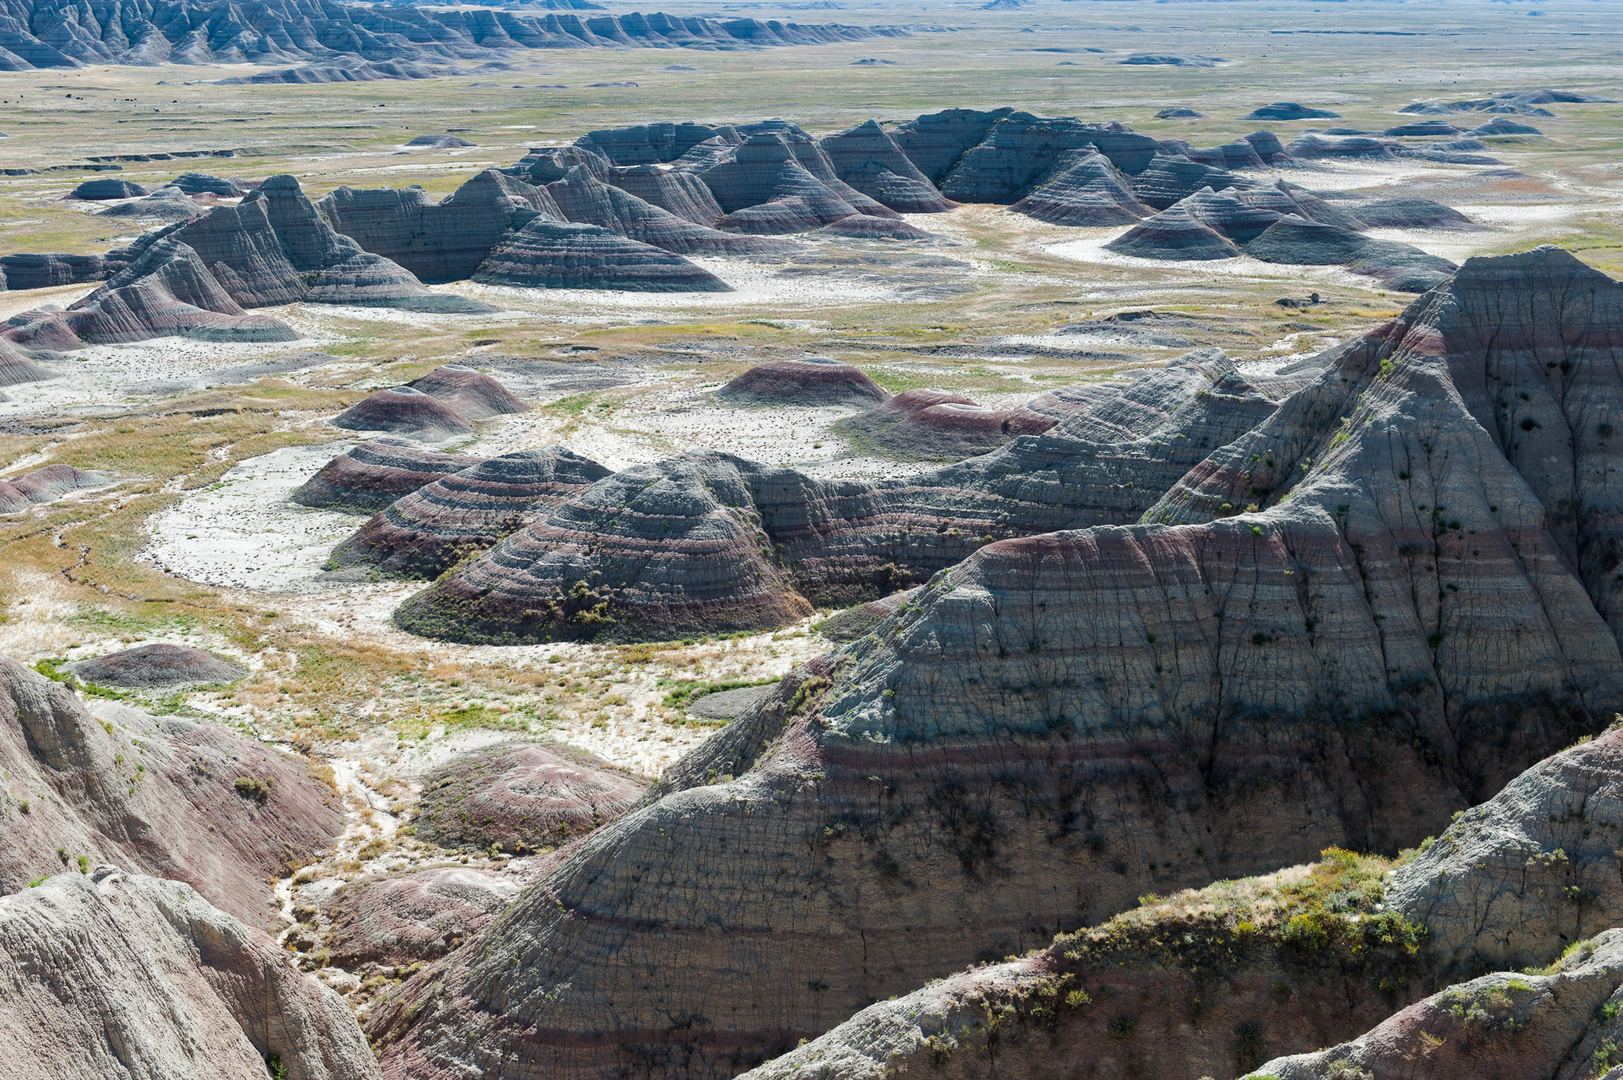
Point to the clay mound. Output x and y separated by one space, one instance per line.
15 368
1289 110
522 798
1021 150
196 183
419 916
165 204
38 330
428 531
369 477
682 193
44 485
544 164
159 664
580 198
1425 128
1228 216
652 553
646 144
438 242
1284 198
1179 113
440 142
168 290
1183 60
472 394
1500 125
870 161
1034 769
107 187
186 819
1309 146
403 410
1268 148
941 425
1504 1026
551 255
145 973
812 381
41 271
1293 239
1168 179
1173 234
1411 214
862 227
1086 190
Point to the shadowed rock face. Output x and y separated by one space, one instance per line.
682 193
1295 240
552 255
196 183
159 664
544 164
814 380
765 189
1174 234
1411 214
165 204
419 916
934 142
1228 216
522 798
1064 722
425 533
1289 110
108 187
374 474
241 249
1167 179
15 368
473 394
1020 150
125 975
583 199
870 161
645 144
403 410
1086 190
44 271
182 817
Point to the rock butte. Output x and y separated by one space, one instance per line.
119 974
1025 680
186 819
416 916
159 664
813 380
557 255
522 798
368 477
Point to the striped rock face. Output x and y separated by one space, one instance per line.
404 410
418 916
811 381
1065 722
944 426
429 530
583 199
682 193
552 255
870 161
1176 235
522 799
374 474
1085 190
472 394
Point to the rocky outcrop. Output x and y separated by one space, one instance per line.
196 183
870 161
941 425
682 193
166 204
1169 178
645 144
159 664
1020 150
119 974
809 381
934 142
765 189
863 227
177 799
1411 214
45 485
581 198
1505 1026
1086 190
416 916
440 142
108 187
1174 234
428 531
544 164
16 369
1065 722
404 410
1228 216
1500 125
522 798
1292 239
472 394
547 254
1289 110
368 477
48 270
438 242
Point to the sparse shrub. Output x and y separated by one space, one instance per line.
255 789
1122 1027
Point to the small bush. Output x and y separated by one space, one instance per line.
255 789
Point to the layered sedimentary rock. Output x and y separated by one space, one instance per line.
440 142
403 410
438 242
1174 234
473 394
417 916
870 161
108 187
1289 110
1500 125
682 193
16 369
1084 189
74 789
196 183
1292 239
1504 1026
563 255
864 227
812 380
1228 216
646 144
1020 150
764 189
42 271
165 204
522 798
45 485
1065 722
675 548
581 198
160 664
117 974
368 477
1410 214
1168 178
544 164
942 425
429 530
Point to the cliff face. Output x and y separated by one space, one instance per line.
1059 725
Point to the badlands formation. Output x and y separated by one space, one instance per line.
1034 541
